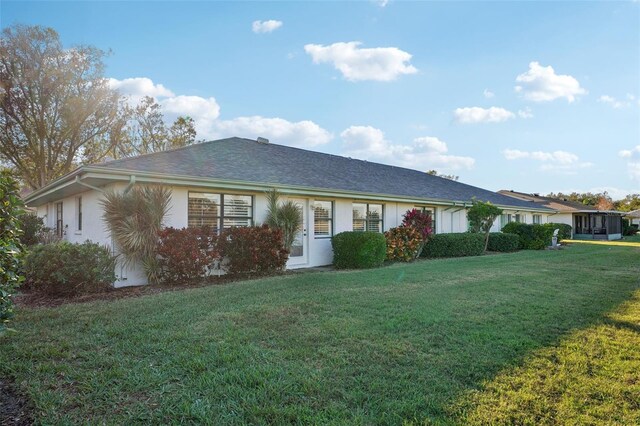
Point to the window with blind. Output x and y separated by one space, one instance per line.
323 219
367 217
59 221
220 211
537 218
431 211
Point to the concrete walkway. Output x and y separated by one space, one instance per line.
603 243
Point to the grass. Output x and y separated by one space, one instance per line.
529 337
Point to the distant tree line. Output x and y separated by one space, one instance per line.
601 200
57 110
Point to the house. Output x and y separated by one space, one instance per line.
222 183
587 222
633 217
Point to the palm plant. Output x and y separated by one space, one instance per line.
286 215
134 218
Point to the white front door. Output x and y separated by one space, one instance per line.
299 255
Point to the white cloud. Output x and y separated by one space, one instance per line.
556 161
261 27
382 3
541 84
472 115
525 113
206 114
357 64
139 87
633 161
369 143
278 130
488 94
616 103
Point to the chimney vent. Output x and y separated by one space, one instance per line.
262 140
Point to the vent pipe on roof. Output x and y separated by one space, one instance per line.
264 141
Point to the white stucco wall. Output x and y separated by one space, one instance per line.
448 219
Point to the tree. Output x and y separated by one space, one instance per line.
53 103
145 131
604 203
481 217
442 175
629 203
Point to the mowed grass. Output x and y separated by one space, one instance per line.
529 337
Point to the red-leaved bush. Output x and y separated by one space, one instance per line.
419 220
184 254
253 250
403 243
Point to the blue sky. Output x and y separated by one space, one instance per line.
531 96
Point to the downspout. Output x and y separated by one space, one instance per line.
132 181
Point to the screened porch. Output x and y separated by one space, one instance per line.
597 226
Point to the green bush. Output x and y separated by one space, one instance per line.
32 227
11 249
454 245
502 242
536 236
358 250
65 269
565 230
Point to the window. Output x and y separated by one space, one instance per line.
220 211
79 213
59 221
323 219
537 218
518 218
367 217
431 211
504 219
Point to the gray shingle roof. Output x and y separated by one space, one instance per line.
249 161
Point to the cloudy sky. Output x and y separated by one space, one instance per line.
531 96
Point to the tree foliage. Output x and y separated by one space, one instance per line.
443 175
54 102
11 249
481 216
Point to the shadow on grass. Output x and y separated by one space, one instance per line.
384 346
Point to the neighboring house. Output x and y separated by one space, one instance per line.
222 183
633 216
587 222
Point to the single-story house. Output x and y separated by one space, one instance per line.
587 222
633 216
223 183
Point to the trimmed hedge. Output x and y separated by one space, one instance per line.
184 254
454 245
565 230
252 250
503 242
66 269
358 250
536 236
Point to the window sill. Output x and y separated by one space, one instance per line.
77 233
323 238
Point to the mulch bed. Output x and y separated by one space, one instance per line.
15 409
39 300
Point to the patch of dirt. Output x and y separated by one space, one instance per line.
15 409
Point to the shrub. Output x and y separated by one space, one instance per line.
65 269
252 250
420 221
184 254
481 216
11 249
502 242
563 234
403 244
535 236
454 245
32 227
531 236
358 250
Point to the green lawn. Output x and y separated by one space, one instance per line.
530 337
